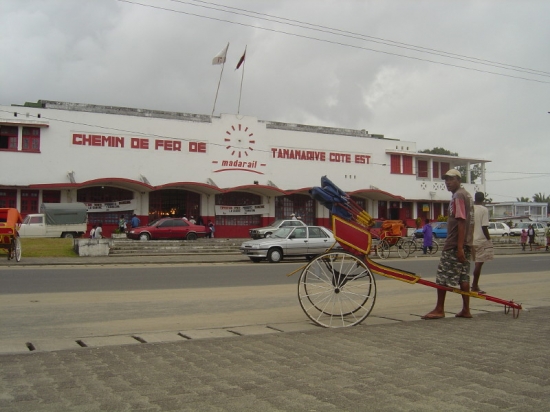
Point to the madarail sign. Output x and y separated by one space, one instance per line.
241 210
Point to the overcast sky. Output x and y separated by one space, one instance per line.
121 53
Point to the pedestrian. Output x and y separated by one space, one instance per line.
454 265
92 231
427 232
122 224
547 233
211 229
293 217
135 222
531 235
483 247
98 231
192 221
523 239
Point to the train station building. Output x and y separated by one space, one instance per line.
238 171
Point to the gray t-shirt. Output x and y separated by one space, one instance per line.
461 207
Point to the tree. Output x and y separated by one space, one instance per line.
475 171
522 199
542 198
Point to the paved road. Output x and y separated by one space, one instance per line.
393 362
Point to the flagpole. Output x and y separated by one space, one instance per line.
242 78
219 58
217 90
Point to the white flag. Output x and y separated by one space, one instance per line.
220 57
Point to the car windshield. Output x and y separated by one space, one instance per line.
277 223
282 233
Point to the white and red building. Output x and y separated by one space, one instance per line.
238 171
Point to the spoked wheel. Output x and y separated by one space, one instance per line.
336 289
435 248
16 249
405 248
383 249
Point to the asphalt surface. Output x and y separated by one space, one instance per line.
492 362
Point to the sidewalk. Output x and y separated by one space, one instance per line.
490 363
189 258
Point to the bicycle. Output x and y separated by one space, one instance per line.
417 244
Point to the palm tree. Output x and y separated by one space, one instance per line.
523 199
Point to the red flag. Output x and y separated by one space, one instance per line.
241 60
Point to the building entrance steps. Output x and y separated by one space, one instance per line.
127 247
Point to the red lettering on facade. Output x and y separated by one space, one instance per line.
197 147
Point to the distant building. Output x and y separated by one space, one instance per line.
518 211
238 171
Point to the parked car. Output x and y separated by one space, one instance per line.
264 231
167 228
498 229
439 230
306 241
539 228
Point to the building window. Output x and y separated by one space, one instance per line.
395 164
29 202
103 194
8 137
407 165
51 196
8 198
445 168
302 206
435 173
422 168
30 139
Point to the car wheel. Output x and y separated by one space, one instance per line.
191 236
275 255
255 260
144 236
267 234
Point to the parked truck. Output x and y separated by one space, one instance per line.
56 220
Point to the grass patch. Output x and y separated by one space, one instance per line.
45 247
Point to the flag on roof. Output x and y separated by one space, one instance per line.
241 60
220 57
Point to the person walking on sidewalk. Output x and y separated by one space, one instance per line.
531 234
483 247
547 233
454 265
523 239
427 242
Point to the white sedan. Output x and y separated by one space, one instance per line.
498 229
307 241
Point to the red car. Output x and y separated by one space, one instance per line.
168 228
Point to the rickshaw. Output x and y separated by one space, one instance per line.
391 235
337 288
10 221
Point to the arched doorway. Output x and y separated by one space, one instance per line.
301 205
174 203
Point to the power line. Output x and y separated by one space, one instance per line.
344 33
339 43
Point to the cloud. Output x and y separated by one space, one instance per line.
116 53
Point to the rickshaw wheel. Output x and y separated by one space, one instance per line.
405 247
336 289
16 247
383 249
